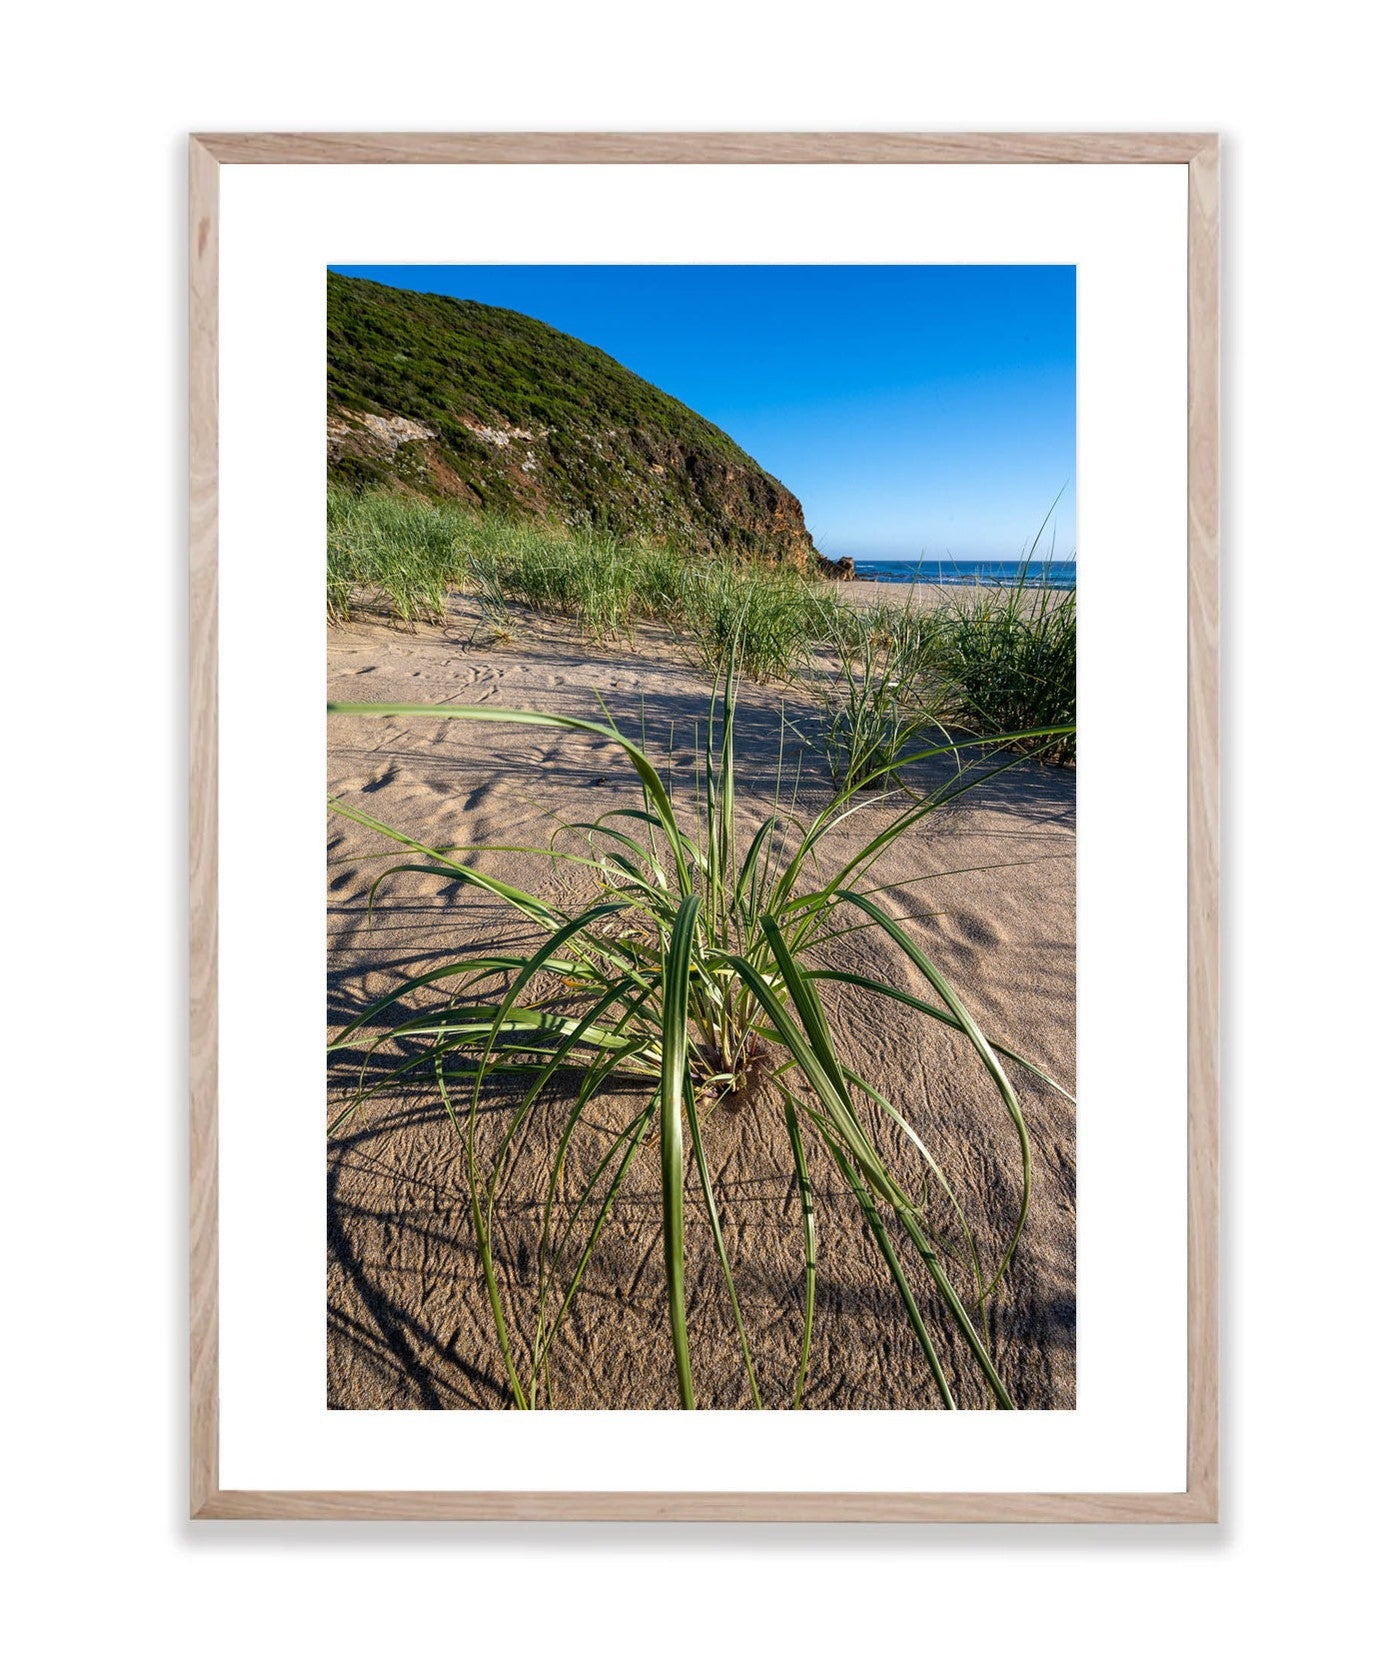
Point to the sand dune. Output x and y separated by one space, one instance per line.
408 1320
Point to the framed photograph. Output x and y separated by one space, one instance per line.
703 944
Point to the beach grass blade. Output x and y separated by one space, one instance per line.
685 976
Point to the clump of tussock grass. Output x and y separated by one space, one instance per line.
1011 657
886 688
604 584
762 616
702 960
395 553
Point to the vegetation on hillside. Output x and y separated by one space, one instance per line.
460 401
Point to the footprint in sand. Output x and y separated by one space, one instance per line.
975 933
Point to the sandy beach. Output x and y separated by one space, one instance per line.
408 1319
925 597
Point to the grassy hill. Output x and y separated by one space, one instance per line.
466 403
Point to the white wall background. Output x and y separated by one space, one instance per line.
99 99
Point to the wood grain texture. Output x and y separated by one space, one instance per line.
1202 755
1200 1501
203 826
979 1508
703 148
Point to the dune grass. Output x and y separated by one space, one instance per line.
408 557
400 555
987 659
702 963
766 618
1010 656
880 687
604 584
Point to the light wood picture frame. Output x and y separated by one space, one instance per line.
1199 152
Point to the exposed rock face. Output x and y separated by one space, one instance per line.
841 570
457 400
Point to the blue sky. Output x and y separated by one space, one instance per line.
911 410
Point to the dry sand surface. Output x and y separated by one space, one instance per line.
409 1324
924 597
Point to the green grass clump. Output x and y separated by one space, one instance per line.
603 583
764 616
701 963
1011 656
399 554
885 690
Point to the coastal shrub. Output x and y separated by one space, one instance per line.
700 963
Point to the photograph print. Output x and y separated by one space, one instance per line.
701 672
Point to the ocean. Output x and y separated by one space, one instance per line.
1039 574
